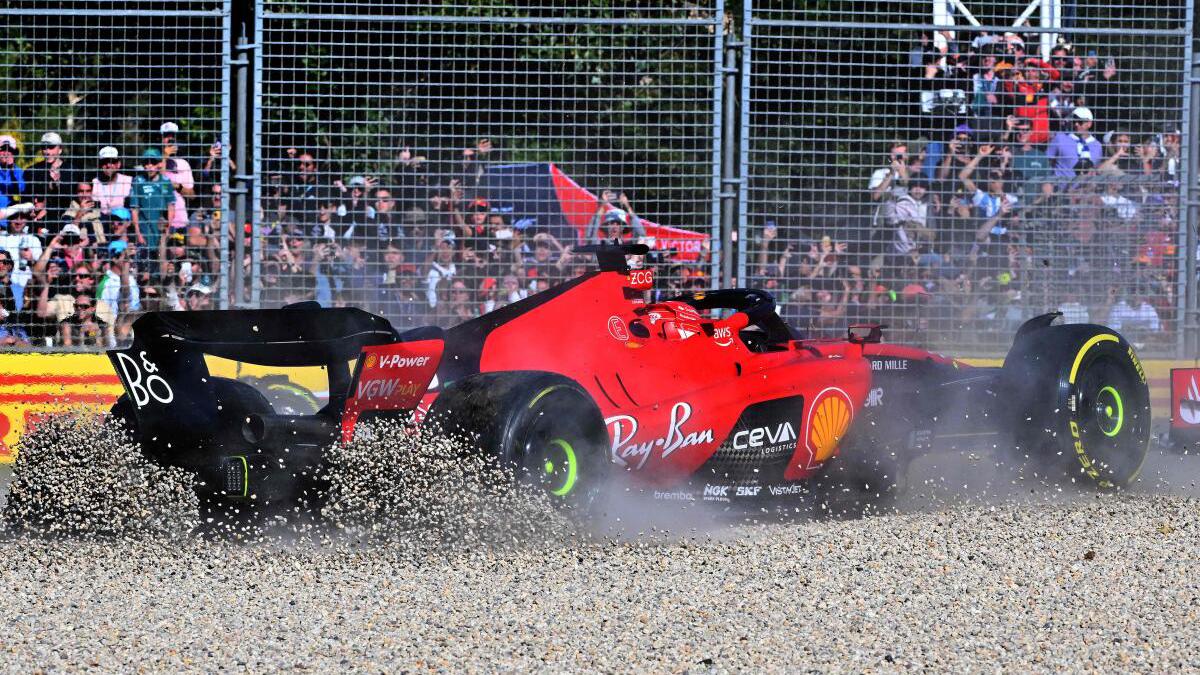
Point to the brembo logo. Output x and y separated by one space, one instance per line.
624 429
751 439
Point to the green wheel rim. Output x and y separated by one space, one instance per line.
568 464
1110 411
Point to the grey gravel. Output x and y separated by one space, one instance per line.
1039 582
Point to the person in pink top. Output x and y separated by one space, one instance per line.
179 172
110 187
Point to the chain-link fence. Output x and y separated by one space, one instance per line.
109 190
945 167
431 163
953 168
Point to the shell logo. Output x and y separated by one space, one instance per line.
829 418
371 360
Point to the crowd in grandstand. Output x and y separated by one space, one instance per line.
1017 185
87 250
87 246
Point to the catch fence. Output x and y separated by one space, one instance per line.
908 163
94 92
918 164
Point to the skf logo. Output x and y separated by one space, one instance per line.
748 490
829 418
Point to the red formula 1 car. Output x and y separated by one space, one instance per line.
707 396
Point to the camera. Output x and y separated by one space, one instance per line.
944 101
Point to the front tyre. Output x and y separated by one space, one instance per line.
1084 402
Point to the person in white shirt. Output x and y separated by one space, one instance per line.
179 172
1137 316
110 187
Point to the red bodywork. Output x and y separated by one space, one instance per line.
671 396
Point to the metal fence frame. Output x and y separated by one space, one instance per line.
1187 329
731 105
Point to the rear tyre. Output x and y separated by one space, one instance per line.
1083 405
544 428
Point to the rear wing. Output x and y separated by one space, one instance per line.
168 382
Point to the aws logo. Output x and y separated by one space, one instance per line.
828 420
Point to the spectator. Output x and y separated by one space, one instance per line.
24 248
383 225
354 210
84 213
198 298
304 194
81 329
152 200
117 294
410 179
1072 310
617 223
11 334
441 269
911 216
1029 161
110 187
987 203
475 161
175 168
1126 317
51 180
1067 149
13 187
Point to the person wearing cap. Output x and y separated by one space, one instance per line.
608 220
179 172
354 211
50 178
1068 148
23 247
110 187
11 333
198 297
151 199
117 293
13 185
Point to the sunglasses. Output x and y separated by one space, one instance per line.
308 164
82 306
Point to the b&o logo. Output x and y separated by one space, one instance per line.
142 381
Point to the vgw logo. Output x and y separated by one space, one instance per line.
153 387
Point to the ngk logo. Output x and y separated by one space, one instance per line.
711 491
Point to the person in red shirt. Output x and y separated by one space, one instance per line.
1028 87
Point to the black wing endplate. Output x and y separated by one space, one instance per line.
611 257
